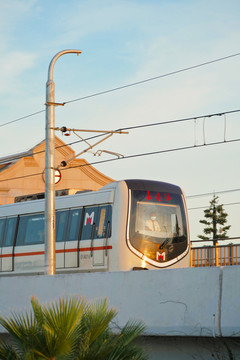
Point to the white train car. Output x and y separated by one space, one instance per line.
126 225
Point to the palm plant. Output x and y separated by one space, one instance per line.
71 329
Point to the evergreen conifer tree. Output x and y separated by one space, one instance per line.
216 219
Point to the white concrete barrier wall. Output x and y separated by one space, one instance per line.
230 301
184 302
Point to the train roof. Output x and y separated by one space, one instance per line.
103 195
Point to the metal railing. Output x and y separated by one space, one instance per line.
217 255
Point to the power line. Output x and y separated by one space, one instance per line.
22 118
22 177
212 193
138 127
20 156
231 238
205 207
151 79
158 152
137 155
179 120
128 85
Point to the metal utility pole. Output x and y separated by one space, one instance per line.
50 222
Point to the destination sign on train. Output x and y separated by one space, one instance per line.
158 197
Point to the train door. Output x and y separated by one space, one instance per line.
29 248
8 240
99 243
96 229
87 235
72 238
61 227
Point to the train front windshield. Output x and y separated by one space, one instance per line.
157 228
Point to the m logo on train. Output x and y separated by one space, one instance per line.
89 218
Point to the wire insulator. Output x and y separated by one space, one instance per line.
63 129
63 163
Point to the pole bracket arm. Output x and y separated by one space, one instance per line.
55 104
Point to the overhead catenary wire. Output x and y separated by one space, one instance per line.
211 240
159 152
135 156
22 177
207 206
22 118
211 193
142 126
180 120
127 86
152 78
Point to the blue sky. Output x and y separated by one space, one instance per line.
124 42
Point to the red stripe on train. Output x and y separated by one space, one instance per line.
57 251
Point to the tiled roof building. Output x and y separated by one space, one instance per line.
23 174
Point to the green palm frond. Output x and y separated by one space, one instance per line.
69 329
22 329
132 330
7 352
19 325
67 314
108 346
95 332
97 319
61 326
123 343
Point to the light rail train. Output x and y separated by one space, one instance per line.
126 225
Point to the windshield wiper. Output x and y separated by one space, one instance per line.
177 227
164 243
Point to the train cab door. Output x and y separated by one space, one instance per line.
8 240
72 238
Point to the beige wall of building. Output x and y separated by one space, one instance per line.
23 174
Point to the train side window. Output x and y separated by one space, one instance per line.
74 224
90 218
2 223
30 230
103 225
10 231
61 224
